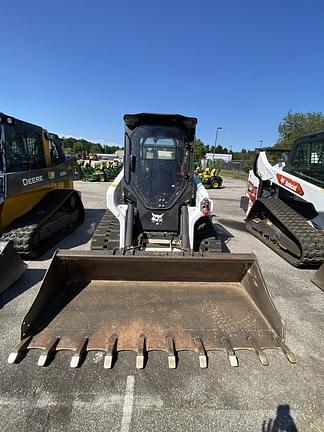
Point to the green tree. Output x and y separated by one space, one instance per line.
219 149
243 154
95 148
200 150
110 149
82 147
294 125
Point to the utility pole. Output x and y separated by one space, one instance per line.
217 129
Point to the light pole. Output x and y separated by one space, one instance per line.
217 129
261 142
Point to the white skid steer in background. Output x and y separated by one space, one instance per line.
284 203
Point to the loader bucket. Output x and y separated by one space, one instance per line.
318 278
89 301
11 265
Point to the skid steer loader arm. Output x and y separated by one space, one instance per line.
94 302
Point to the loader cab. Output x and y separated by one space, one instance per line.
306 159
27 147
21 146
158 165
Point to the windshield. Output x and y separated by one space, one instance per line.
308 162
161 158
23 149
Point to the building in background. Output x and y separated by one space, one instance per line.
225 157
118 155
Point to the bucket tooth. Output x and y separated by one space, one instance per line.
43 358
203 359
288 354
15 355
141 350
172 361
259 352
111 351
76 358
230 352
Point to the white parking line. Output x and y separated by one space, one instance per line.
128 404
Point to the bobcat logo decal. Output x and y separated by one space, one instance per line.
157 219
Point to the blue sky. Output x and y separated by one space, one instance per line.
75 66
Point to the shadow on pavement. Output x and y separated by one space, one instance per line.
282 423
31 277
223 235
227 200
238 225
80 236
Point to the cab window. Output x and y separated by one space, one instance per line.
56 151
24 150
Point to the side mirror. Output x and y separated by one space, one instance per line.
132 162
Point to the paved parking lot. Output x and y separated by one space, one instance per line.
248 398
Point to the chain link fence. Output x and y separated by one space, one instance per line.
238 165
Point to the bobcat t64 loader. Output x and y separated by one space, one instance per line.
284 204
154 279
38 205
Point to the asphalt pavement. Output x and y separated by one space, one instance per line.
250 398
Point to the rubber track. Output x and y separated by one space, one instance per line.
21 238
309 240
207 241
23 230
106 236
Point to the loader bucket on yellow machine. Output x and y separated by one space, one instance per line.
95 302
11 265
318 278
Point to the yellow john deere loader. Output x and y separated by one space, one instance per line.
38 205
154 279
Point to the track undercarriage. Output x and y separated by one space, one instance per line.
286 232
55 216
106 238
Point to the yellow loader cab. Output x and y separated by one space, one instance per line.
38 205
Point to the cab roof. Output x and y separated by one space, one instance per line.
134 120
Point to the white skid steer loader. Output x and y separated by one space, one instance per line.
284 203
